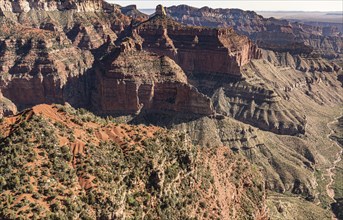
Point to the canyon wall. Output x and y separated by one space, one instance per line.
59 5
136 81
39 66
85 58
267 33
198 50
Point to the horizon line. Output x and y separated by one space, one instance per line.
242 9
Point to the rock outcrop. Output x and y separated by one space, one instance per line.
40 66
214 60
133 12
260 107
228 99
47 48
35 69
134 80
6 107
160 11
197 50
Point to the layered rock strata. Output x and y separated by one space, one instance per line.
214 60
87 23
197 50
268 33
51 62
73 61
46 48
259 107
135 81
303 63
59 5
39 66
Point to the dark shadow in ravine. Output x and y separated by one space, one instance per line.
337 208
164 119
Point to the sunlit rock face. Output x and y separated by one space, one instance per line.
197 50
267 33
136 81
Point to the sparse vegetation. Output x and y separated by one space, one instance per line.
64 169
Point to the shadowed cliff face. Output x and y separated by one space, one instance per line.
45 48
270 34
134 80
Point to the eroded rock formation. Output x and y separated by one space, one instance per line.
270 34
52 62
115 75
214 59
6 106
59 5
87 23
214 84
134 80
198 50
304 64
39 66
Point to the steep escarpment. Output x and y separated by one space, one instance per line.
56 56
40 5
77 165
214 61
271 33
40 66
119 77
131 80
234 112
197 50
132 11
87 23
46 48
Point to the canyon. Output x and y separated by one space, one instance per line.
232 104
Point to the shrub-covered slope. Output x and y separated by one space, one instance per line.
58 162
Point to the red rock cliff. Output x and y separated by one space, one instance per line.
197 49
39 66
133 80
